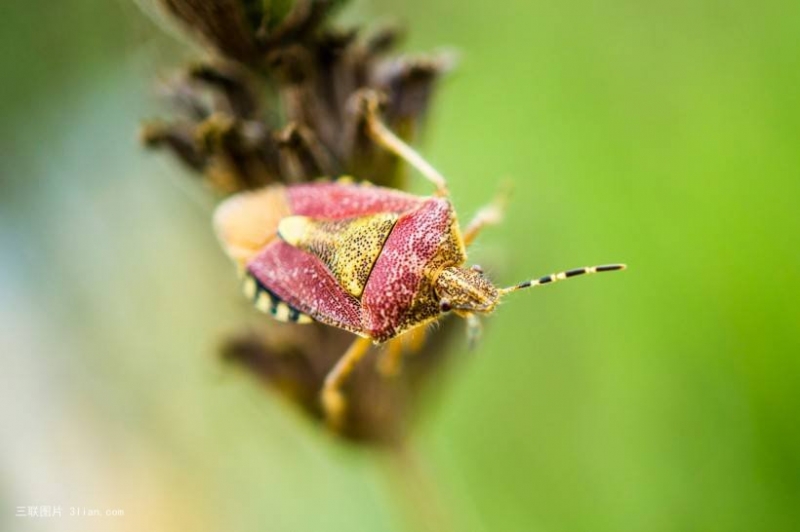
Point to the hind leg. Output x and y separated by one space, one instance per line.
334 404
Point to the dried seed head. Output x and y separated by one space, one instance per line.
294 75
294 360
222 24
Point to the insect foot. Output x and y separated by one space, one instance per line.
334 406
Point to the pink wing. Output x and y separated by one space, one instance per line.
333 201
304 283
397 277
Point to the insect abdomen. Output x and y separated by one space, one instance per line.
267 302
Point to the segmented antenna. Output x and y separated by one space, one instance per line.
555 277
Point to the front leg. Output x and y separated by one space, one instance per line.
491 214
368 104
391 360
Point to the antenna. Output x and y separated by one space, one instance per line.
555 277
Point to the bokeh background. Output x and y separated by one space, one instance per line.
666 398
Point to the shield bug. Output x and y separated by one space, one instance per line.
374 261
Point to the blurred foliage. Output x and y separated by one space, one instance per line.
665 398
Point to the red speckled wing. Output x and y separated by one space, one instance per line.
333 201
305 284
397 295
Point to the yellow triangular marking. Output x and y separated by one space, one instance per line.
349 247
293 229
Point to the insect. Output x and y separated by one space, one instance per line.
374 261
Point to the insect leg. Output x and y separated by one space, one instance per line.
334 404
386 138
474 329
414 340
390 361
490 214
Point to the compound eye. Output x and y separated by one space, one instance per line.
444 306
476 268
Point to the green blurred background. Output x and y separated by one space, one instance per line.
666 398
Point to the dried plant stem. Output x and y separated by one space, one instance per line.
415 490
